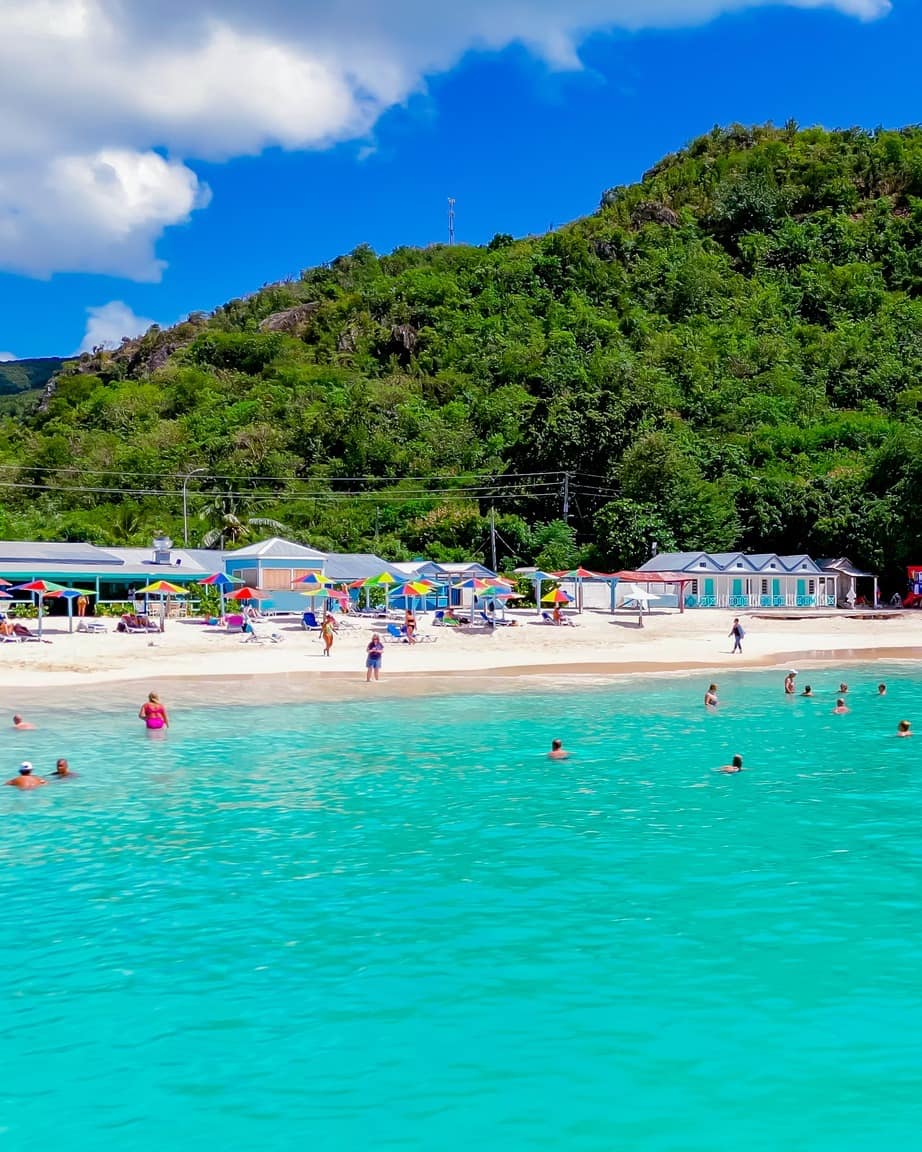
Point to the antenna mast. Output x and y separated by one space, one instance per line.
451 219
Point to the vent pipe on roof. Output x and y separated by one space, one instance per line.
162 546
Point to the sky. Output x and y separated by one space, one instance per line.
163 157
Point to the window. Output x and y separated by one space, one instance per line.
811 587
764 587
694 587
739 563
702 563
773 565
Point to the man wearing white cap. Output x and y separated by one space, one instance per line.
25 779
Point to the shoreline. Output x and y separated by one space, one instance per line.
335 685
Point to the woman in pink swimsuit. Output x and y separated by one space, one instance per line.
153 713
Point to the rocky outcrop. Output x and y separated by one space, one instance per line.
650 212
292 320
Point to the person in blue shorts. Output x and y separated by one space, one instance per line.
374 652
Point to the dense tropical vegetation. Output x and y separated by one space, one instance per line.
727 354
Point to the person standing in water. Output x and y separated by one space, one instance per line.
808 691
153 713
881 689
557 752
25 780
841 707
737 633
904 728
374 653
62 770
789 683
710 697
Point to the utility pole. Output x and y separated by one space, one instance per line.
451 220
493 535
185 507
565 515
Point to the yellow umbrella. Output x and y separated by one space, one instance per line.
163 589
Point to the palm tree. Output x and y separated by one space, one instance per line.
233 528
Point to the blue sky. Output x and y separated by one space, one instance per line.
217 192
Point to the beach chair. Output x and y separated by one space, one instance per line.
395 635
309 622
234 623
21 632
93 624
258 632
130 622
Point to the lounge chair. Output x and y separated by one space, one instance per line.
234 623
258 632
91 624
395 635
565 621
130 622
309 622
21 632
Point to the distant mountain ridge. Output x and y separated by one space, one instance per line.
27 375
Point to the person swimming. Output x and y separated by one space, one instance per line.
841 708
710 697
62 770
808 691
881 689
735 765
843 689
22 725
789 682
25 780
557 752
904 728
153 713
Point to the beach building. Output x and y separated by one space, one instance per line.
849 575
111 574
747 580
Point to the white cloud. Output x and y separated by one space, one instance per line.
108 324
6 357
93 91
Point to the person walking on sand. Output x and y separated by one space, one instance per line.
153 713
737 633
327 633
374 653
25 780
81 604
710 697
409 626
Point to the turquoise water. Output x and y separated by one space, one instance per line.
394 924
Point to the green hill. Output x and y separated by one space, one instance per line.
26 375
727 354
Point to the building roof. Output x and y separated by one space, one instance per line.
729 562
800 563
276 548
350 566
842 565
679 562
38 552
26 558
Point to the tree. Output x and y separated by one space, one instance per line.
231 527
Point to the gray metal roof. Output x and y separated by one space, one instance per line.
39 552
348 566
672 562
843 566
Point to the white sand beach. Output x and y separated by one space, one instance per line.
598 644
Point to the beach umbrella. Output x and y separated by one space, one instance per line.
577 575
556 596
40 588
312 578
222 582
247 593
537 577
70 595
164 589
383 580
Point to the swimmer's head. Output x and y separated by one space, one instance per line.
843 687
840 703
737 761
62 766
25 768
903 726
17 719
153 697
881 689
712 688
808 691
556 745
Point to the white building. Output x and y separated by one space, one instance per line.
747 580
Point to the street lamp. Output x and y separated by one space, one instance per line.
185 510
